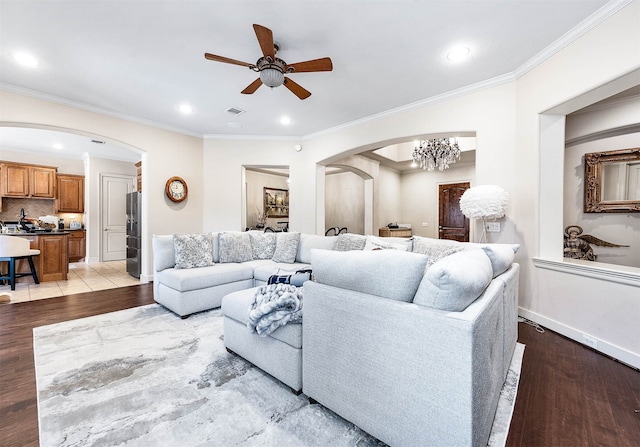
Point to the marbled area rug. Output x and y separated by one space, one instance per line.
144 377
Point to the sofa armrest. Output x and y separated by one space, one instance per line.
407 374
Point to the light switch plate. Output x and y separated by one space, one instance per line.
493 227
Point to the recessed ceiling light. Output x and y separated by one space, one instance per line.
57 146
26 59
185 108
285 120
298 147
458 53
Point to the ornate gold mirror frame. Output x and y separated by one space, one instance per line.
593 196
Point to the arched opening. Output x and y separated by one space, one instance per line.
77 153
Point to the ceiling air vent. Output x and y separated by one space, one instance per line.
234 111
97 141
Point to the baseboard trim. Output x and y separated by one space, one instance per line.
620 354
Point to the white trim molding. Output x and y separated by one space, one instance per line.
607 272
623 355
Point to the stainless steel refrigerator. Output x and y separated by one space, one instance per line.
134 229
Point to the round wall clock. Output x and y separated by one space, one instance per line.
176 189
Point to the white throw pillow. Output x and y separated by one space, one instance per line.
455 281
263 245
350 241
376 243
193 250
286 247
234 247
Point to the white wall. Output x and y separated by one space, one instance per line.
390 198
345 202
419 193
574 299
256 181
95 168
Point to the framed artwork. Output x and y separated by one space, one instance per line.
276 202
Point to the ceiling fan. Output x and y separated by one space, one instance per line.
273 69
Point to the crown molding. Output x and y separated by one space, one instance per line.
78 105
466 90
570 36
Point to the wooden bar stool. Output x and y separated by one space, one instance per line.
13 248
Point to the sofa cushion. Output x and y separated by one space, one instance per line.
309 241
286 247
501 257
387 273
263 245
236 306
455 281
350 241
436 248
234 247
376 243
193 250
164 253
184 280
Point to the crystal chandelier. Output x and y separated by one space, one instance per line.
437 152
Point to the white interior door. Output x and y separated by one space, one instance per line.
114 236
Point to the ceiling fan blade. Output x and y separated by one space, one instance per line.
265 39
323 64
296 89
213 57
252 87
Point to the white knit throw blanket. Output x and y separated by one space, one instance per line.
275 305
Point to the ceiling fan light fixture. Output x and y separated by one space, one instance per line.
272 77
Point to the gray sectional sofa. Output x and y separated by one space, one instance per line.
409 339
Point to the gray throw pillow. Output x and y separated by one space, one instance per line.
234 247
350 241
263 245
390 274
501 257
455 281
286 247
436 249
193 250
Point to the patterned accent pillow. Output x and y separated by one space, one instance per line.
193 250
350 241
286 247
436 248
235 247
263 245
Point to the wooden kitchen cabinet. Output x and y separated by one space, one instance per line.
28 181
77 245
70 193
52 264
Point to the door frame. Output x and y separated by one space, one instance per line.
457 182
132 180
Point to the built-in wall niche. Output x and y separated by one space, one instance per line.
612 181
257 178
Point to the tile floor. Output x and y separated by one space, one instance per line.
81 278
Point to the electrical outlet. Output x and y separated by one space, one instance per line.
590 341
425 224
493 227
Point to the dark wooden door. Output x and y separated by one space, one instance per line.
452 224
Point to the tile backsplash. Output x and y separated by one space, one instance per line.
33 208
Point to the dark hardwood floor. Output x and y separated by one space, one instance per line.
568 395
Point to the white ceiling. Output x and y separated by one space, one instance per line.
141 59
